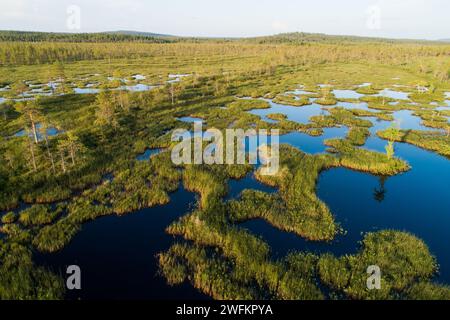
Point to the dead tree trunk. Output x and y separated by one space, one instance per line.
72 154
50 155
33 157
33 127
63 161
172 93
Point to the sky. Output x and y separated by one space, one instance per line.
412 19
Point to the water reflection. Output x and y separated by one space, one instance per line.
380 193
50 132
118 255
148 154
388 93
297 114
347 94
190 119
235 187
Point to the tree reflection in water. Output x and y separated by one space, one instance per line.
379 194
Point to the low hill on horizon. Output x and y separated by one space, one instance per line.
140 33
304 37
149 37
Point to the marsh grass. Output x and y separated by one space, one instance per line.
226 278
403 259
222 259
9 217
355 158
277 116
38 215
21 280
292 100
438 142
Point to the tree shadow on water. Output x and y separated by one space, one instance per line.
379 194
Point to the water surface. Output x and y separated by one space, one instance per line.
347 94
148 154
50 132
417 201
117 255
297 114
393 94
124 248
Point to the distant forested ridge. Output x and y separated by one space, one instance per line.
302 37
148 37
117 36
31 48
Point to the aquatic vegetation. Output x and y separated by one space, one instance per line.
292 100
358 135
342 116
222 278
16 233
211 274
434 119
21 280
38 215
277 116
296 207
403 259
326 101
427 97
9 217
429 140
54 237
91 168
378 102
367 90
428 291
364 160
379 115
128 192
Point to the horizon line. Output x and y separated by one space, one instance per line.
162 34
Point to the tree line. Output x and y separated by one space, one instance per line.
25 36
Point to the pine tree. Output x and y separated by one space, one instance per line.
106 113
45 127
30 116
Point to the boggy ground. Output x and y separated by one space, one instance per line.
51 185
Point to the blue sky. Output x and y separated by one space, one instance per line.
424 19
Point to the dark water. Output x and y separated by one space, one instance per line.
117 255
417 201
312 145
235 187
